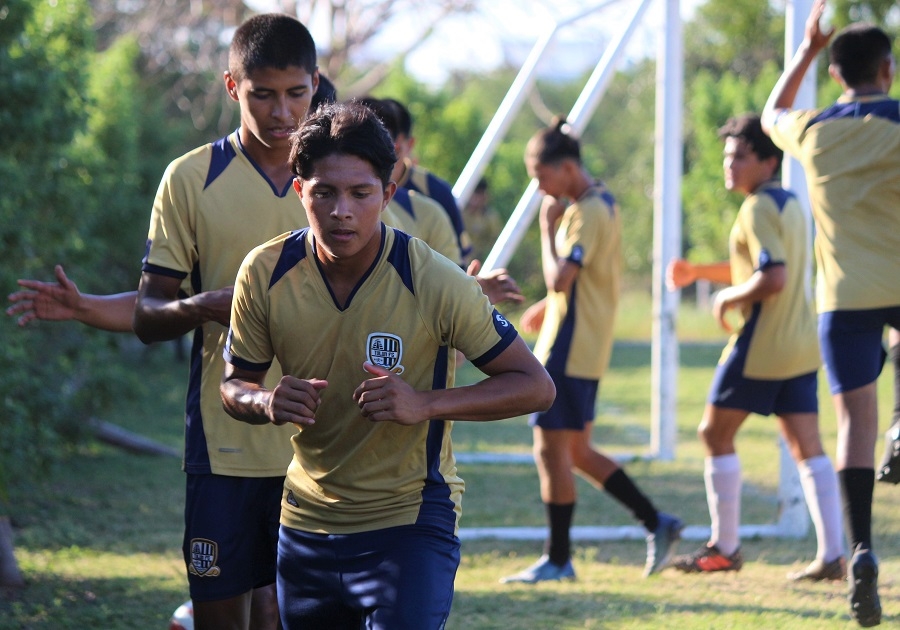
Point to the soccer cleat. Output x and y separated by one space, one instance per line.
819 571
889 468
542 571
708 559
662 542
865 606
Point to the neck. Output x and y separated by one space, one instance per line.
864 90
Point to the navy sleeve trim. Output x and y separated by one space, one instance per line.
507 334
163 271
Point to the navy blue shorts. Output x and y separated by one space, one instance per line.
230 534
399 578
573 407
851 343
730 389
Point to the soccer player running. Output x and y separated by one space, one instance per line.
580 250
850 152
771 361
362 318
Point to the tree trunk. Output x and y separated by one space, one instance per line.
10 576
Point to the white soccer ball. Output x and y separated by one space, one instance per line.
183 617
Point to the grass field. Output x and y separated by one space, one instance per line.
99 539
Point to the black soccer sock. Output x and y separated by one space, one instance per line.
894 354
559 517
857 485
622 488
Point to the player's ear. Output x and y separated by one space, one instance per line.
389 191
230 85
297 186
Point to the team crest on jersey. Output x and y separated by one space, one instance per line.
203 557
386 351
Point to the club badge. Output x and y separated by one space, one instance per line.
203 557
386 351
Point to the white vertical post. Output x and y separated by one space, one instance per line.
793 515
666 229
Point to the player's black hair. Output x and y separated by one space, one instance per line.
385 112
348 128
270 40
858 51
401 113
554 144
326 93
748 128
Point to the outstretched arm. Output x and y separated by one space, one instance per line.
160 315
680 273
785 91
62 301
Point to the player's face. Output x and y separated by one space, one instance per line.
551 178
273 102
343 200
744 171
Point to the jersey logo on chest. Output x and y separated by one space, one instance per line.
386 351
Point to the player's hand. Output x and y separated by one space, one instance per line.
388 398
723 302
497 285
51 301
814 35
295 400
680 273
533 317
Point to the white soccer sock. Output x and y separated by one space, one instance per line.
722 475
820 489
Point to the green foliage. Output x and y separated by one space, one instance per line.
77 195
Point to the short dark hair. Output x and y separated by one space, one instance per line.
401 113
554 144
270 40
386 112
348 128
748 128
325 93
858 51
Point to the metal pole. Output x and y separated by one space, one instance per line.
666 230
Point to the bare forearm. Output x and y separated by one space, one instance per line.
719 272
162 320
506 395
247 402
107 312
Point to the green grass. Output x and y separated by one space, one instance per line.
99 539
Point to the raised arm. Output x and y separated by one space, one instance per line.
785 91
559 273
62 301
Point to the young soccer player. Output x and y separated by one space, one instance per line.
215 204
770 363
580 250
362 317
850 153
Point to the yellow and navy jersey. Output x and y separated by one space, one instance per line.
213 206
422 217
577 334
771 229
423 181
851 155
406 313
